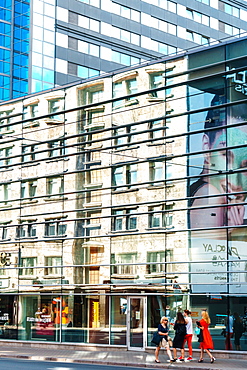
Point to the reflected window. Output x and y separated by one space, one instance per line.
5 120
4 231
158 129
30 111
28 189
124 258
28 153
26 229
159 259
157 172
5 192
91 224
124 219
5 157
55 186
55 106
157 80
52 264
160 216
57 148
124 175
27 264
122 88
55 227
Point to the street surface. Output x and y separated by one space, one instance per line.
10 364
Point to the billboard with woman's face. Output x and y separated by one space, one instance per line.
217 170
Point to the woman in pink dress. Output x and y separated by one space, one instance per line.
207 342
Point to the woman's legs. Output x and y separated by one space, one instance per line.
182 353
202 350
168 351
157 353
209 353
189 341
175 353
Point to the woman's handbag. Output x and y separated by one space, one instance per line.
200 336
156 338
197 330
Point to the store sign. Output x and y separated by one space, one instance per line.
5 259
4 283
212 277
239 79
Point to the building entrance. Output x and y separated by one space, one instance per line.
136 323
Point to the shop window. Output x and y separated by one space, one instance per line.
57 148
55 227
28 189
124 258
27 264
55 186
5 156
124 219
28 153
53 264
26 229
123 88
124 176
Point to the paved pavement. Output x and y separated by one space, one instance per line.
120 357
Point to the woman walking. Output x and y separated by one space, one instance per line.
180 332
163 330
207 343
189 333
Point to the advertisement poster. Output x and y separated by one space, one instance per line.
217 189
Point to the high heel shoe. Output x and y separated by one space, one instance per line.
157 361
212 360
200 360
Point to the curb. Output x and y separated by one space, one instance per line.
107 363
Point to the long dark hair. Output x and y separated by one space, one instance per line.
180 319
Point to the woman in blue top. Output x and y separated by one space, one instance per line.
163 332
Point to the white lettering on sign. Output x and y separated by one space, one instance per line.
239 79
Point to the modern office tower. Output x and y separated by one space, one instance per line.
46 43
122 202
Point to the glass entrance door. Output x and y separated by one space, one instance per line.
136 323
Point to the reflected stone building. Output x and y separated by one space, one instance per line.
123 200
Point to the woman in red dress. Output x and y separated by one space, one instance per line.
207 342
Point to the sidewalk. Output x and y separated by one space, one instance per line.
111 357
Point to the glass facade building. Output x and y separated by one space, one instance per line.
48 43
123 199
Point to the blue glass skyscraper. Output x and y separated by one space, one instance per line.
47 43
